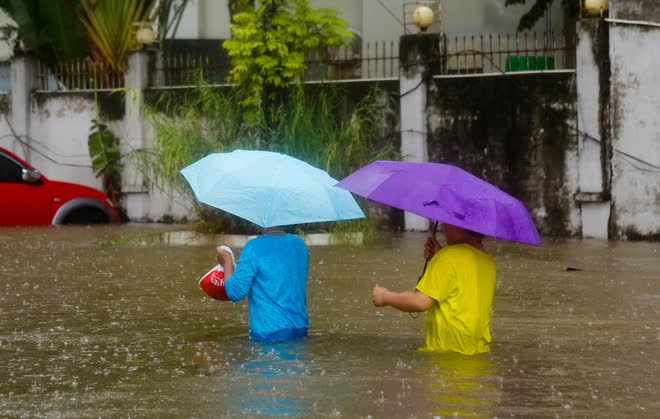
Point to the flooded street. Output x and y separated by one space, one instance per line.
108 322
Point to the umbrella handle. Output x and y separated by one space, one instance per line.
426 263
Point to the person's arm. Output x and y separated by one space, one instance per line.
224 259
239 280
408 301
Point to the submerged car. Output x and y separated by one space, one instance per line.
28 198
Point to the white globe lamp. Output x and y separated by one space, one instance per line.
423 18
145 35
596 7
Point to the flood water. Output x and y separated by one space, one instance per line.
110 322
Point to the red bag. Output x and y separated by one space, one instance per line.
213 283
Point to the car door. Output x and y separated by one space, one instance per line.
22 203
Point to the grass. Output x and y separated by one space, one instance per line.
317 127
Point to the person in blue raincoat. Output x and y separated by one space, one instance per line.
272 273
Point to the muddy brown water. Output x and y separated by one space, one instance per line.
110 322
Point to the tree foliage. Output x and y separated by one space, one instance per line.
103 148
539 7
269 43
239 6
57 31
319 126
108 26
49 28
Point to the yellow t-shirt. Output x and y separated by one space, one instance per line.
461 280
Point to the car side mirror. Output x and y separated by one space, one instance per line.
31 175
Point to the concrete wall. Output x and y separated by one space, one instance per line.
214 20
475 17
53 128
618 104
189 26
648 10
59 127
634 109
56 140
351 11
517 132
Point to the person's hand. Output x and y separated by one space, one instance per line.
378 295
431 247
224 258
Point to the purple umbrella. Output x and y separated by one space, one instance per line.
445 193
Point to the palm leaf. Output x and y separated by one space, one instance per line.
48 27
63 29
109 26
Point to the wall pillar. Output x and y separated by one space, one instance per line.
134 187
595 149
24 80
420 59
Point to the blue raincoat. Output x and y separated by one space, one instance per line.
272 274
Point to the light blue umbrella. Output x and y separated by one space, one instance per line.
269 189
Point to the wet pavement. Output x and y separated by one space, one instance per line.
110 322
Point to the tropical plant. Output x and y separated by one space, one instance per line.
268 48
239 6
316 126
168 16
103 148
313 127
109 28
538 9
48 28
58 31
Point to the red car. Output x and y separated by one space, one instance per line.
29 198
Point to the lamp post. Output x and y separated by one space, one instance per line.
596 7
144 33
423 18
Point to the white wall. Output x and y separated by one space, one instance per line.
476 17
214 19
59 127
350 10
381 20
636 127
189 26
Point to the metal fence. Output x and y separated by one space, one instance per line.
375 60
187 68
508 53
371 61
360 61
82 74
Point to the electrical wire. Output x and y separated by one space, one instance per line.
503 72
578 131
421 82
36 150
391 13
623 153
21 139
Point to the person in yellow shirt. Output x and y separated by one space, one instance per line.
456 291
